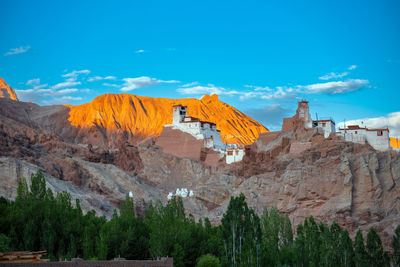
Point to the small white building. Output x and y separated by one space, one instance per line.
234 155
377 138
328 126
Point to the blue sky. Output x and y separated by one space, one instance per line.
259 56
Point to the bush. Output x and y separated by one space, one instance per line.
208 260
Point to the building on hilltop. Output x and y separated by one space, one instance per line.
377 138
327 125
302 117
190 137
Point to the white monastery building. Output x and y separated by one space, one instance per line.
203 130
328 126
377 138
199 129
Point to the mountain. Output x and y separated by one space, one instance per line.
146 116
7 91
395 142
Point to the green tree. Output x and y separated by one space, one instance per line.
359 251
277 238
208 260
4 243
241 234
346 250
375 252
396 246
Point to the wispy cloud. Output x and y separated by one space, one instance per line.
112 85
68 83
352 67
339 87
66 91
140 82
18 50
99 78
74 74
140 51
74 98
270 94
33 81
190 84
333 75
391 120
209 89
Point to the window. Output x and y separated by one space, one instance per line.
356 132
323 124
237 152
379 133
230 153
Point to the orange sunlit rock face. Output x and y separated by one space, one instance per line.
395 142
7 91
146 116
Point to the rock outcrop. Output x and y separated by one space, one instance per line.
7 91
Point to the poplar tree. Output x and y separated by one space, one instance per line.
376 255
360 253
396 247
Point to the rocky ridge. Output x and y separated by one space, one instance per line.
7 91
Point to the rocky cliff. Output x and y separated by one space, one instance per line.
395 142
7 91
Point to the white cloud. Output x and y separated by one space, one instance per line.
270 94
392 121
259 88
67 83
99 78
66 91
140 82
112 85
190 84
333 75
71 98
352 67
74 74
140 51
209 89
18 50
338 87
33 82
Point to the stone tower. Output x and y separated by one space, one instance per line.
303 113
179 112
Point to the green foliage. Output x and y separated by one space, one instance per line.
359 251
375 252
396 247
277 238
208 260
4 243
241 234
40 220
